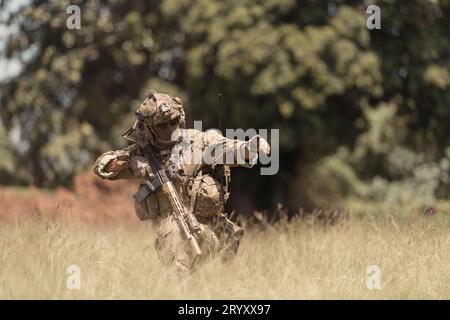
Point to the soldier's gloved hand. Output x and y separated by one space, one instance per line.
111 163
258 143
253 146
101 164
116 165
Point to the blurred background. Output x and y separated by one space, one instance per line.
363 114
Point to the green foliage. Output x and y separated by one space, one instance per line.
77 85
327 182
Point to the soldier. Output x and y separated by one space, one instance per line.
201 186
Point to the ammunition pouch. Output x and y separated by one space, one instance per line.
222 173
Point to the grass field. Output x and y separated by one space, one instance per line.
297 260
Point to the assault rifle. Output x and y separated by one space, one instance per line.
161 178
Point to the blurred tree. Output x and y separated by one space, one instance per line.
297 66
76 87
414 46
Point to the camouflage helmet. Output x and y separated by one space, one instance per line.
162 114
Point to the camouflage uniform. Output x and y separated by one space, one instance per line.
202 188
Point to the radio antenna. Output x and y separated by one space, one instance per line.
226 168
220 113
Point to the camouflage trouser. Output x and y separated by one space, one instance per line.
177 254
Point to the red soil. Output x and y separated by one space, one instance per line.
92 200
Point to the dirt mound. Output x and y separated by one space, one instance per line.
93 200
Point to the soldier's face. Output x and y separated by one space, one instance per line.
165 130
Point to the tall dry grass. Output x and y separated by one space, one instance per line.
297 260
